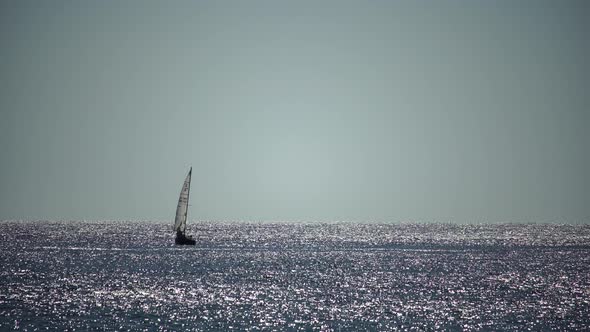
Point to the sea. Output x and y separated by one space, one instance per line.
282 276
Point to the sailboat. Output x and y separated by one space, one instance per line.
181 211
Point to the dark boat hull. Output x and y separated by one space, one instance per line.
185 242
182 239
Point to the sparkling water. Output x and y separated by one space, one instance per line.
294 276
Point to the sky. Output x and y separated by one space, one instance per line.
388 111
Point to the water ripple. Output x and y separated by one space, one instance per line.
280 276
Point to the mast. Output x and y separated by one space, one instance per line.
188 193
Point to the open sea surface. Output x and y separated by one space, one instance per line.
294 276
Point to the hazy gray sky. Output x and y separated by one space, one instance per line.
314 110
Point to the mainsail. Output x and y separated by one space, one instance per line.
182 208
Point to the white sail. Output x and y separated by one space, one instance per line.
182 208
